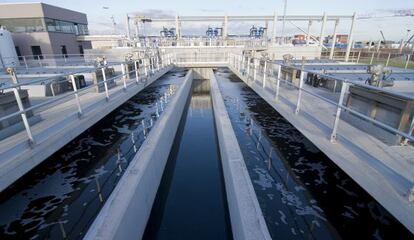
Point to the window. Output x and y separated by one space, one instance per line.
37 52
19 54
81 50
24 24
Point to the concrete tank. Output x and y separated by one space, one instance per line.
8 54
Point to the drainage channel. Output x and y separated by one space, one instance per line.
302 193
191 199
60 198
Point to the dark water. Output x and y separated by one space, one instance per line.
302 193
62 196
191 202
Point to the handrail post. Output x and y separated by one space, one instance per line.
279 72
145 68
300 91
40 62
344 89
75 89
264 73
24 116
248 68
372 57
359 56
408 60
25 62
105 83
254 69
136 71
388 59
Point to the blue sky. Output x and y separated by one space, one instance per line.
394 28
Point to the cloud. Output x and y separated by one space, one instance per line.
154 13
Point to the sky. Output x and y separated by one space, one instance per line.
374 15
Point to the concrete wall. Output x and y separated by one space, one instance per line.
126 212
247 221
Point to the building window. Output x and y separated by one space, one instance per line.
19 54
37 52
81 50
23 24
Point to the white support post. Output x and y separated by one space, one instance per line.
344 89
264 74
40 62
105 83
123 71
359 56
322 35
279 72
372 58
24 116
248 68
75 89
145 68
350 38
128 28
308 33
25 62
300 91
331 53
136 71
274 29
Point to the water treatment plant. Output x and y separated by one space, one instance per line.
218 135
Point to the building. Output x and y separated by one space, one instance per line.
40 29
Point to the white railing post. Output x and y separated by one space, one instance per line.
105 83
300 92
40 62
388 59
254 69
75 89
372 58
408 60
25 62
279 72
359 56
136 71
145 67
24 116
264 73
248 68
344 89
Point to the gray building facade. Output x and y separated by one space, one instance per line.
41 30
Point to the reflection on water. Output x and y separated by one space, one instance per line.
60 198
302 193
190 202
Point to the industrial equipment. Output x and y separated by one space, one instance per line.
214 32
168 33
8 55
257 32
379 76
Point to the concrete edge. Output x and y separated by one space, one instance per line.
247 221
67 130
127 210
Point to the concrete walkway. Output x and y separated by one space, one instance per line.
60 124
386 172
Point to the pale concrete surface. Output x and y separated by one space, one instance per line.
247 221
60 125
126 212
385 172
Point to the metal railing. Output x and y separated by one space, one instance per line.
139 75
270 72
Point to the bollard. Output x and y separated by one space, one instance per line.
344 89
75 89
105 83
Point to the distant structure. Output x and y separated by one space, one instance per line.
40 29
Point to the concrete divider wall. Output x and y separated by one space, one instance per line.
126 212
247 221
